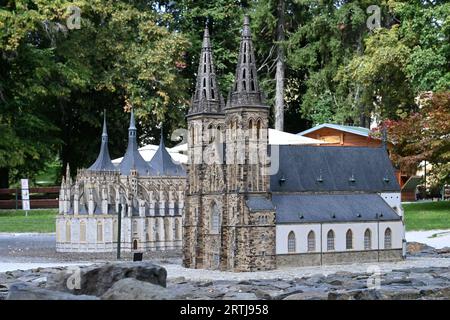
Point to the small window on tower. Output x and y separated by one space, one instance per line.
244 86
204 82
252 83
212 94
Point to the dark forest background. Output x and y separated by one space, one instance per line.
56 80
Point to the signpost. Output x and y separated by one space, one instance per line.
119 230
25 196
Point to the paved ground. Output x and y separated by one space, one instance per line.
26 251
435 238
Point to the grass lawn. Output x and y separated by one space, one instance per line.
418 216
427 215
39 220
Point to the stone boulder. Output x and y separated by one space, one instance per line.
418 248
24 291
96 280
132 289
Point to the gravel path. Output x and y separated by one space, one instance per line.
27 251
175 270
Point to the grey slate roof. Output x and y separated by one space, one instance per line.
290 208
303 167
103 162
132 158
162 163
259 203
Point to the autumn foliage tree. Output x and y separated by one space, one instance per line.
424 135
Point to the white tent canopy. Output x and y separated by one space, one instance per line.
178 153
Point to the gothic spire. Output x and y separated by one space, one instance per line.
162 163
132 160
207 98
246 91
103 162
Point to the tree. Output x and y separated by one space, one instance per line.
58 81
424 135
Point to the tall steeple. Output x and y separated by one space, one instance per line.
207 97
103 162
246 91
132 160
162 163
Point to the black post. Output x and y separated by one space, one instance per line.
119 230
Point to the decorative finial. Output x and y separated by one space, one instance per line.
246 30
105 132
132 121
384 136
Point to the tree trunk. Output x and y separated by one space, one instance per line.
364 120
279 74
4 177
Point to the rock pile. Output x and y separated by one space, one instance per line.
147 281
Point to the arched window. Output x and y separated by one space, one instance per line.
388 238
250 129
258 129
135 227
349 239
177 229
291 242
192 135
311 241
367 240
99 231
82 231
330 240
215 219
68 232
210 133
115 230
135 244
166 230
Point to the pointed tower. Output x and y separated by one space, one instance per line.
162 163
103 162
247 244
132 160
207 98
205 178
245 91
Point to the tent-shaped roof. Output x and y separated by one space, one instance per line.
103 162
162 163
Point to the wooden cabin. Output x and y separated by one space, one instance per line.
340 135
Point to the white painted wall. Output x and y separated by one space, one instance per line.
340 229
393 199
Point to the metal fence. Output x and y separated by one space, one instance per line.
43 198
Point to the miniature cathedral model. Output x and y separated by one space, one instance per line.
149 196
303 206
242 204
